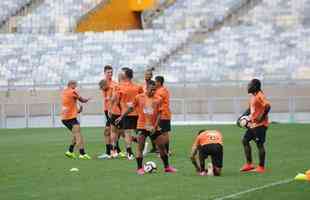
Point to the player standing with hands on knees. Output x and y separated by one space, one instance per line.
257 113
69 114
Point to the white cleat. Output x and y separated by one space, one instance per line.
210 169
130 157
104 156
114 154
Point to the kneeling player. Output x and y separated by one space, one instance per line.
208 143
148 109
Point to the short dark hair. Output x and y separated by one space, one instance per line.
102 84
71 82
107 67
128 72
201 131
254 86
150 83
160 79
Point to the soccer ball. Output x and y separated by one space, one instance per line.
150 167
244 121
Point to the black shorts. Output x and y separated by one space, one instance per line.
165 125
258 134
129 122
213 150
108 120
69 123
112 120
145 133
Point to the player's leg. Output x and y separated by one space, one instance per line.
70 152
165 127
248 136
260 133
139 151
128 141
161 141
217 158
108 145
76 130
114 138
129 123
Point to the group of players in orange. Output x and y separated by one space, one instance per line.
145 109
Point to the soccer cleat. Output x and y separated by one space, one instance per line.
247 167
170 170
114 154
122 154
104 156
259 169
85 157
70 155
202 173
130 157
140 171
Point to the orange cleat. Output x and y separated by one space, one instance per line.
247 167
260 169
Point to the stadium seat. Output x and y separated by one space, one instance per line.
10 7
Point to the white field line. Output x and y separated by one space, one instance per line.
255 189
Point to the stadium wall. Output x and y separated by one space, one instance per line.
191 103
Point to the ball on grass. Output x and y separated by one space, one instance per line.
74 169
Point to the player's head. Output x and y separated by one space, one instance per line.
72 84
126 74
254 86
159 80
201 131
103 84
150 88
148 74
108 71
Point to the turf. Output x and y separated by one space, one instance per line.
32 166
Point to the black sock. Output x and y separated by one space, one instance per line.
139 162
117 147
167 147
261 153
153 145
71 148
165 160
108 149
129 151
82 152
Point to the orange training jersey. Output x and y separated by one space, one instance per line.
258 103
107 95
115 108
127 93
148 109
69 108
164 94
209 137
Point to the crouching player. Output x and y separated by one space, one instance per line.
148 109
208 143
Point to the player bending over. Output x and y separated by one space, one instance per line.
148 109
258 110
208 143
69 114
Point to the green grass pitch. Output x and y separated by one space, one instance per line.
33 166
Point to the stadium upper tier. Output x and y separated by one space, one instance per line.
56 16
184 14
27 59
271 42
9 8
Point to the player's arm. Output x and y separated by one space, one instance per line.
193 157
263 116
129 110
246 113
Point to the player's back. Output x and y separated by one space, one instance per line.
164 94
127 92
210 137
69 108
257 107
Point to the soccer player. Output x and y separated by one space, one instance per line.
258 110
127 91
69 113
147 105
208 143
106 86
165 115
148 75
